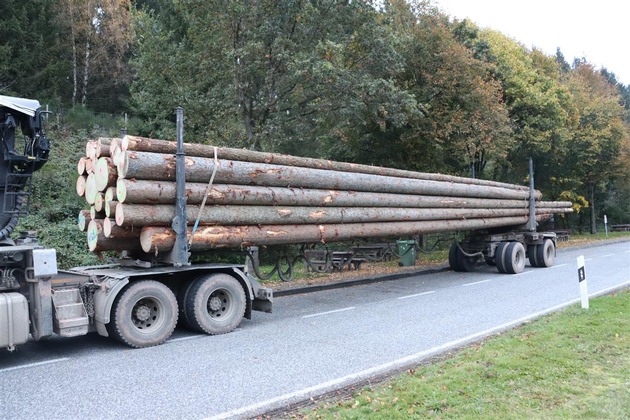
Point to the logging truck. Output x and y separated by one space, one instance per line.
139 298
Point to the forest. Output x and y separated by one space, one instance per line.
393 83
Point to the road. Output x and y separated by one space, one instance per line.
312 343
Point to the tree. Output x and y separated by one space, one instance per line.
465 123
285 76
30 46
99 37
539 107
601 137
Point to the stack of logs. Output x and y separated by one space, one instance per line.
255 198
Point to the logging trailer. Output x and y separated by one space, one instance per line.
139 302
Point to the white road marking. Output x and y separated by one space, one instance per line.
608 255
416 295
588 259
330 312
190 337
29 365
559 265
402 363
477 282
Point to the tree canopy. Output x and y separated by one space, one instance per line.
394 83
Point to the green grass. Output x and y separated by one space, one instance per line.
571 364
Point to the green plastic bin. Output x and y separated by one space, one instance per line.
406 252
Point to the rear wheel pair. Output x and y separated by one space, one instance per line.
542 255
145 313
509 257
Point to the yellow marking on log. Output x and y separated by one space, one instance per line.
318 214
276 232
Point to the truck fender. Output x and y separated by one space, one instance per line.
104 300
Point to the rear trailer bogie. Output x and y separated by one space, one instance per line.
507 251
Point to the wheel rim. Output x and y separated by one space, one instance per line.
220 304
147 314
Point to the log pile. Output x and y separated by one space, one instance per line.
258 198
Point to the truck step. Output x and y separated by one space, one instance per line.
71 318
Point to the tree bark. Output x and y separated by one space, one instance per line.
97 242
163 192
144 144
592 205
161 167
162 215
162 239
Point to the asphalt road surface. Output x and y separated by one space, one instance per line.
312 344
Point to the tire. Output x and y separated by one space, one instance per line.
546 253
467 264
499 255
453 260
144 314
532 253
215 304
182 296
514 259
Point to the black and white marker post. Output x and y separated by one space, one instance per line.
582 280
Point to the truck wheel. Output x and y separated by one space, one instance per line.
144 314
182 297
532 253
514 258
546 253
499 254
215 304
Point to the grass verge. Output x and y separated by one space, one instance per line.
571 364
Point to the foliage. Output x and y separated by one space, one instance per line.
393 83
54 204
465 122
284 74
30 44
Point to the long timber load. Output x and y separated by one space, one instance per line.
238 198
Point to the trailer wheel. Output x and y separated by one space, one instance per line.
453 260
514 259
215 304
144 314
546 253
460 262
499 256
532 253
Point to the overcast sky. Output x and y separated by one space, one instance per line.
596 30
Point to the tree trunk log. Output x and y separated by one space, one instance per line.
81 166
97 242
105 173
154 166
110 208
162 215
162 239
144 144
163 192
80 187
90 189
82 220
